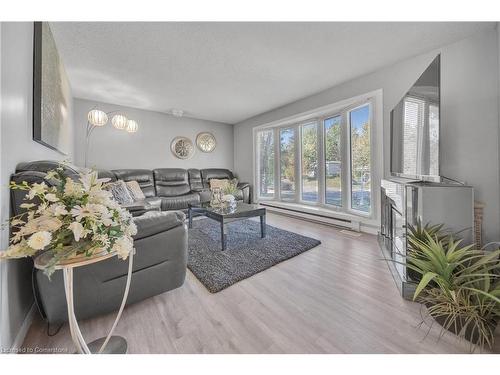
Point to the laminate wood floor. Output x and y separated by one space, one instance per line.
336 298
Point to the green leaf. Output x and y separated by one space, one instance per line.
426 279
486 294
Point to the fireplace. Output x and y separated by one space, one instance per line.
405 202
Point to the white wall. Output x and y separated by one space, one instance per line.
469 134
498 63
150 146
16 146
469 115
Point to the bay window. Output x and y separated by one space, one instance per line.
322 160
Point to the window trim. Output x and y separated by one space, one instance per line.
375 99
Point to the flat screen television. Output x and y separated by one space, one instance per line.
415 128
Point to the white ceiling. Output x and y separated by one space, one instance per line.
229 72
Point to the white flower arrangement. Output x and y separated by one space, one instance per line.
70 218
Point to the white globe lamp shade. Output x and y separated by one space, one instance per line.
119 122
97 117
132 126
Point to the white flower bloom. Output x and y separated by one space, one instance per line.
123 246
125 215
16 222
39 240
103 239
41 223
72 188
36 188
51 175
112 204
51 197
19 250
78 230
107 220
99 196
131 229
27 205
18 236
80 212
58 210
90 180
42 208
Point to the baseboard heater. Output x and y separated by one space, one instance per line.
313 217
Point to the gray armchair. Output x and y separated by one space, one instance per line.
98 288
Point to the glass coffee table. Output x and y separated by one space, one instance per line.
226 215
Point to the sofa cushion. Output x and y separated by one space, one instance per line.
195 180
143 176
180 202
221 174
171 182
154 201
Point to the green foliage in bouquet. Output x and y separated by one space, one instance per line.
231 187
69 218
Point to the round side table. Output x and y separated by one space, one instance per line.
105 345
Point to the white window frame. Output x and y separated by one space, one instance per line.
319 115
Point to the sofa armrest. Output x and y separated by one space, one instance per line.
152 222
243 185
138 208
245 188
204 193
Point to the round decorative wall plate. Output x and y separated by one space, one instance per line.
206 142
182 147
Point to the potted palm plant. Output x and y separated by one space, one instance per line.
458 284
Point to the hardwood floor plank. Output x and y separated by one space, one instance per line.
336 298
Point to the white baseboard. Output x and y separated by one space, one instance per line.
23 331
352 225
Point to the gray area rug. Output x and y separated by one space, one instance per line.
246 253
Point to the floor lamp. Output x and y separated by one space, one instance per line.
97 118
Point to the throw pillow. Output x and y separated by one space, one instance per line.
220 184
135 190
225 185
120 192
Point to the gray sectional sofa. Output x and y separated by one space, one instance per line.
169 189
161 242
